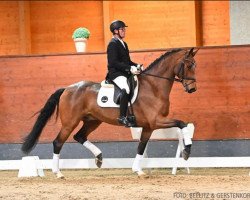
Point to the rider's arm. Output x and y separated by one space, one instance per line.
130 61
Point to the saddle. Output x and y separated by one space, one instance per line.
109 93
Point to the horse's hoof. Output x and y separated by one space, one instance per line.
185 155
141 174
98 160
186 152
59 175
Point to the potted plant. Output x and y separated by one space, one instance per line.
80 36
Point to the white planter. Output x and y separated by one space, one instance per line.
81 44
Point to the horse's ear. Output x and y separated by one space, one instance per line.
192 52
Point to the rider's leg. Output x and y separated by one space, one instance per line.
121 82
123 103
123 109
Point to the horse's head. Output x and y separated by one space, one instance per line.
185 71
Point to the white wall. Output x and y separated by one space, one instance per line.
240 22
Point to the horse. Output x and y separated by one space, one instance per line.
78 102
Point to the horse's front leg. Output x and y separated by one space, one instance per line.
145 136
186 129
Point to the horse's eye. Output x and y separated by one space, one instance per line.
189 66
192 66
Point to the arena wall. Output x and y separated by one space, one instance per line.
219 109
43 27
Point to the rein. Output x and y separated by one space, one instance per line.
166 78
180 80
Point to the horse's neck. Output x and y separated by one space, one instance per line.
165 70
161 87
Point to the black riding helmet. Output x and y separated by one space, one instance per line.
115 25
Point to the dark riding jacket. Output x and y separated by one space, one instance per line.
119 62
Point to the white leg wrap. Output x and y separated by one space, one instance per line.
55 163
94 149
187 132
136 165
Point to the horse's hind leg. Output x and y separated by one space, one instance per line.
57 144
82 135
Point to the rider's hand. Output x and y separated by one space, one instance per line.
140 67
134 70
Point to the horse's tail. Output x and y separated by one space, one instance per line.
45 113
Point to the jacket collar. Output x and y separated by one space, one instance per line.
118 41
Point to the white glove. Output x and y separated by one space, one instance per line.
134 70
140 67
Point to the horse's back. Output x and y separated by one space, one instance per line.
83 85
77 92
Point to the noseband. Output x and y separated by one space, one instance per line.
181 73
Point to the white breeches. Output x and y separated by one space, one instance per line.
121 81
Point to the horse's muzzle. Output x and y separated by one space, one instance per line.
190 88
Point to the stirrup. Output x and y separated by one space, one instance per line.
132 120
124 121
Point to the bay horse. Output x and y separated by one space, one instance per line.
78 102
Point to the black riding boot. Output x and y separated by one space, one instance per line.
123 109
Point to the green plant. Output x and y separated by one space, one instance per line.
81 33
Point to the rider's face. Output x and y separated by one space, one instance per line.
121 32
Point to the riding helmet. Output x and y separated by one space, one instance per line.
116 25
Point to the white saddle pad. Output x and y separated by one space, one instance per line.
106 94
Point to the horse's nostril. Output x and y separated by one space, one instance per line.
192 90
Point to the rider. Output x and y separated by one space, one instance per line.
120 66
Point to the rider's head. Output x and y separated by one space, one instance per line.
117 27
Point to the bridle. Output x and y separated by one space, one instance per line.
181 74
